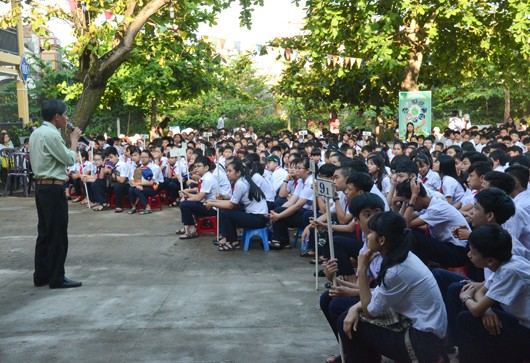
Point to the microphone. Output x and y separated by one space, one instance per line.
71 127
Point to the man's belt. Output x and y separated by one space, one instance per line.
49 181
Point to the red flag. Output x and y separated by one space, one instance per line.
73 5
108 14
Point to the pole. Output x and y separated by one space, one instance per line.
218 192
84 182
330 236
315 206
118 128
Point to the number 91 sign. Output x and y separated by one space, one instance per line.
325 188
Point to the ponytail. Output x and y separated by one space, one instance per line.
254 193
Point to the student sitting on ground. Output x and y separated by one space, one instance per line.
406 292
440 217
487 332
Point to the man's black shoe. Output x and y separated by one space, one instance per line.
67 284
40 283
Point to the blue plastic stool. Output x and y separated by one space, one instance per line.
263 233
297 237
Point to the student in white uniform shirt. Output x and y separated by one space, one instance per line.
452 187
193 205
291 214
405 287
429 178
440 217
147 177
278 173
247 207
520 194
487 333
517 225
256 169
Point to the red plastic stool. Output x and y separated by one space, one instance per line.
154 203
201 225
112 201
461 270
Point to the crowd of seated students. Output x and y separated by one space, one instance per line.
404 219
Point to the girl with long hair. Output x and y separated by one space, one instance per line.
404 318
452 187
376 169
245 193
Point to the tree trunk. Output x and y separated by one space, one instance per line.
506 103
153 113
87 104
95 73
412 70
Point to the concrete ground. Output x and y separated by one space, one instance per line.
148 297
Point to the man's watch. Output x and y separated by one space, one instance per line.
407 204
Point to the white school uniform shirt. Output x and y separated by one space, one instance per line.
410 289
208 186
304 190
129 161
385 184
518 226
431 180
240 195
74 168
452 188
225 186
342 203
517 250
277 178
522 200
510 286
122 169
441 218
265 186
375 263
158 177
375 190
469 197
88 166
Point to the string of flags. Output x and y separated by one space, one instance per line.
226 47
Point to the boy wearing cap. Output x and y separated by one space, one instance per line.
278 173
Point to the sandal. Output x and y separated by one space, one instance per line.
188 235
174 204
225 247
99 208
180 231
146 211
236 245
307 253
118 210
132 211
334 359
77 200
275 245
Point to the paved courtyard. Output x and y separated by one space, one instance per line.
147 297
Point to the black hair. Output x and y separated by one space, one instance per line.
498 146
361 181
520 160
480 168
145 151
474 156
447 168
316 152
403 190
456 148
254 193
499 155
50 108
393 227
327 170
205 161
496 201
345 171
467 146
380 163
500 180
110 151
365 201
304 161
356 165
407 166
424 159
520 173
492 241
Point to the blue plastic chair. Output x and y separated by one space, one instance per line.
296 238
263 233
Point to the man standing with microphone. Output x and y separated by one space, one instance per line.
49 158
